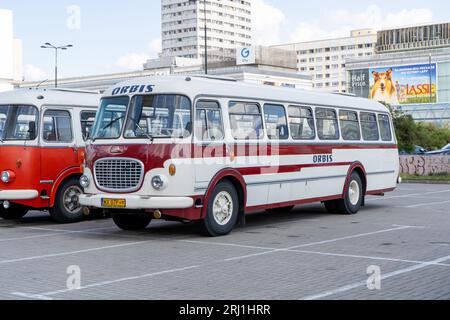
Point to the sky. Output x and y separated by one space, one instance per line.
118 36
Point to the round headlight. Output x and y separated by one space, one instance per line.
6 177
158 183
84 181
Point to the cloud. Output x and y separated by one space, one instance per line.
272 26
33 73
135 60
267 22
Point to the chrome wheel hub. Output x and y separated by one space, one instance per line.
223 208
71 199
354 193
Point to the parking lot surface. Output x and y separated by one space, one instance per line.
399 243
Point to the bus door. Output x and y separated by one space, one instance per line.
59 147
209 137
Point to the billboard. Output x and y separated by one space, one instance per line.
400 85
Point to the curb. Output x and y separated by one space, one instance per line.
425 182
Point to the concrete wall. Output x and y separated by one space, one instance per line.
424 165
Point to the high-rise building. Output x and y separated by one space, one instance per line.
325 60
10 52
229 26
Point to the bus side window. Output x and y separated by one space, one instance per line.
369 125
57 126
327 124
350 127
87 121
301 122
276 122
208 123
246 121
385 127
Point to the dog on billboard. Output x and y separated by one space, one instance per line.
384 89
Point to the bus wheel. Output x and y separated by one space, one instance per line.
222 210
131 222
15 212
67 208
353 199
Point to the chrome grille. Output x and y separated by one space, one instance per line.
119 174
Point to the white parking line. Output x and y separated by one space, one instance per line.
426 204
356 285
274 250
47 235
47 295
407 195
73 252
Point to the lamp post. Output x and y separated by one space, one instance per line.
56 48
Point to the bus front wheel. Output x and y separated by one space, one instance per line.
222 210
131 222
354 196
15 212
67 208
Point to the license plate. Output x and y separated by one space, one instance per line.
114 203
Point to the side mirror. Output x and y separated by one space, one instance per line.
32 130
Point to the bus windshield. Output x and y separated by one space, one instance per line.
159 116
18 123
111 117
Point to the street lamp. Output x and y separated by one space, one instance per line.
56 48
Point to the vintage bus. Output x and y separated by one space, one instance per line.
42 147
212 150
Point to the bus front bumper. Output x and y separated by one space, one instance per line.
133 202
8 195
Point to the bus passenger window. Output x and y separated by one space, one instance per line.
327 124
246 121
369 126
87 121
208 123
301 122
350 128
276 122
385 127
57 126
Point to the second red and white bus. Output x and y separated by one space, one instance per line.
213 150
42 145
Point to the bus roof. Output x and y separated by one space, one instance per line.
193 86
40 97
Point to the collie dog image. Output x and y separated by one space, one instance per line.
384 89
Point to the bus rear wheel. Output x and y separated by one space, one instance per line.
353 198
67 208
131 222
14 212
222 210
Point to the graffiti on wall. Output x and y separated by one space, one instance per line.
424 165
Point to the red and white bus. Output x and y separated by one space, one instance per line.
42 146
213 150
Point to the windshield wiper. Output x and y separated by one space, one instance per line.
148 135
112 122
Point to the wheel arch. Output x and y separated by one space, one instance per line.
234 177
359 168
73 172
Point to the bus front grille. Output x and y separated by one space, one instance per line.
119 174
